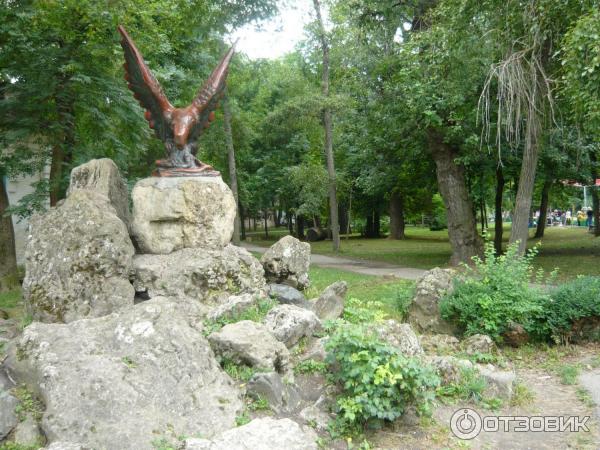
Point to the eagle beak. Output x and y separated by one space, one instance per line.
180 140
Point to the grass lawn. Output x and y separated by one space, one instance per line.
573 251
394 294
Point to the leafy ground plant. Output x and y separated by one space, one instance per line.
378 383
496 293
573 307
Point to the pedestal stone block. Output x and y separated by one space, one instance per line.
182 212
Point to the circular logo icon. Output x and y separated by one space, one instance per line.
465 424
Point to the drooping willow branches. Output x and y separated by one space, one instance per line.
524 96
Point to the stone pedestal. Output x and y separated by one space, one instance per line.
170 214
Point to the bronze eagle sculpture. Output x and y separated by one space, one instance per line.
178 128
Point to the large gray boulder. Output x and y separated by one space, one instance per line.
399 335
424 313
287 262
287 295
289 323
182 212
260 434
8 417
103 177
206 276
78 259
330 304
250 343
27 432
115 381
478 343
282 397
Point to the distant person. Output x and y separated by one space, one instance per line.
590 218
568 217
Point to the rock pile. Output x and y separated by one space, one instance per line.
117 356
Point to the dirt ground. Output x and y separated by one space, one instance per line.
547 396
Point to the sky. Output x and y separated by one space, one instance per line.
276 36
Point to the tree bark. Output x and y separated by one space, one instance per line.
300 227
369 226
462 226
498 222
290 225
8 255
266 214
376 224
328 125
520 225
56 174
232 169
242 222
541 226
397 223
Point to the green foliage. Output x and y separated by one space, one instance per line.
358 311
28 404
496 293
469 387
258 404
572 302
242 419
568 374
255 313
238 372
310 366
10 299
130 363
15 446
522 395
439 220
377 382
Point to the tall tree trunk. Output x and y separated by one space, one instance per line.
376 224
369 225
595 198
56 174
232 169
397 224
266 213
522 214
482 213
288 216
300 227
541 226
462 227
328 125
242 222
498 222
8 256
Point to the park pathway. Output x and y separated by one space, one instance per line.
354 265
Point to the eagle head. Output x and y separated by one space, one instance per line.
182 122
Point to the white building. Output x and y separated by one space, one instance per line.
16 189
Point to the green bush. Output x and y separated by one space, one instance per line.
377 382
570 303
495 293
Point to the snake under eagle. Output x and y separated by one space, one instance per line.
178 128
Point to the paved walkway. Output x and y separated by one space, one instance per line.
354 265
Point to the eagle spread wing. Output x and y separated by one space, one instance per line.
208 96
146 88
